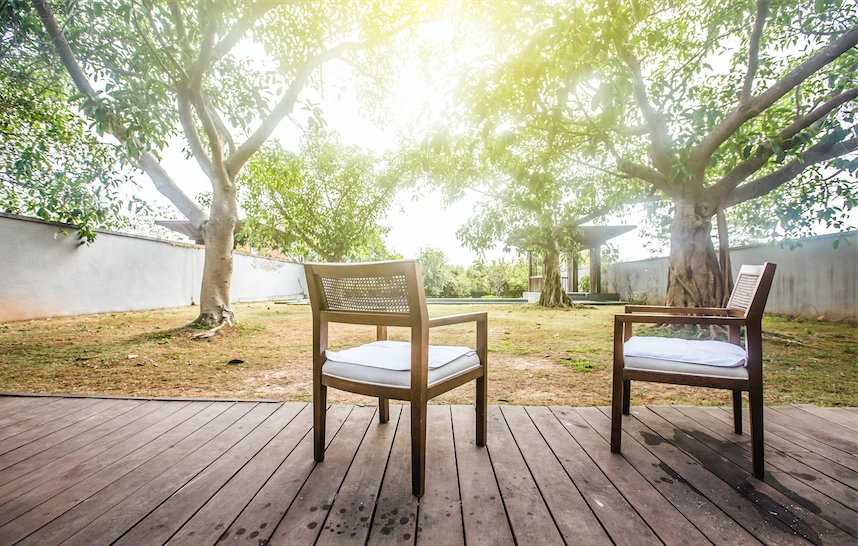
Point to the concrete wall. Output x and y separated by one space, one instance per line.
44 273
813 280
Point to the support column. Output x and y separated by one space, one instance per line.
569 261
529 270
596 269
574 273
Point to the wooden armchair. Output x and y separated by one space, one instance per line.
387 294
681 362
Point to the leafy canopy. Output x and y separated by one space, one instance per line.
679 101
325 203
51 164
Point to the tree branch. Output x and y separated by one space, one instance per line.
763 185
199 66
699 156
196 98
244 24
661 153
647 174
176 11
169 189
190 129
283 108
742 171
220 125
146 161
754 50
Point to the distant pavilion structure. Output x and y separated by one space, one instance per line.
588 237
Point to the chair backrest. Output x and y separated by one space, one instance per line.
382 293
752 290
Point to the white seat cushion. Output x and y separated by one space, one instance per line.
690 351
395 355
373 375
673 366
692 357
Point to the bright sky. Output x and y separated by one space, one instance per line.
413 223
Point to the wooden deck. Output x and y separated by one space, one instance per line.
111 471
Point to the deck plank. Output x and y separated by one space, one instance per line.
151 484
271 502
810 475
755 519
40 431
815 428
482 507
528 513
29 474
792 514
18 404
574 518
833 454
828 467
663 518
231 499
134 449
784 482
395 498
35 417
307 514
71 437
844 419
442 495
348 520
718 527
78 470
161 523
63 514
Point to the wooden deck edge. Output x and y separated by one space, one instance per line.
159 398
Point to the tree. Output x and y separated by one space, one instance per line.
325 203
436 272
144 69
699 107
51 165
531 197
507 278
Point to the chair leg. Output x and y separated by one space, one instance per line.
482 406
737 412
320 406
418 448
627 396
758 449
383 410
617 411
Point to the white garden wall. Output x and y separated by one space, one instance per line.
44 273
813 280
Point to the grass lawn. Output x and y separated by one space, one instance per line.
536 357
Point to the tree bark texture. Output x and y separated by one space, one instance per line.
219 235
553 293
694 277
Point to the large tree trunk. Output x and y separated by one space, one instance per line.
694 277
553 293
219 234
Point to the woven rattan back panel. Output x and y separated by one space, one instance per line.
378 294
743 292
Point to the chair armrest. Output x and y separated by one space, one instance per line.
718 311
678 319
458 319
